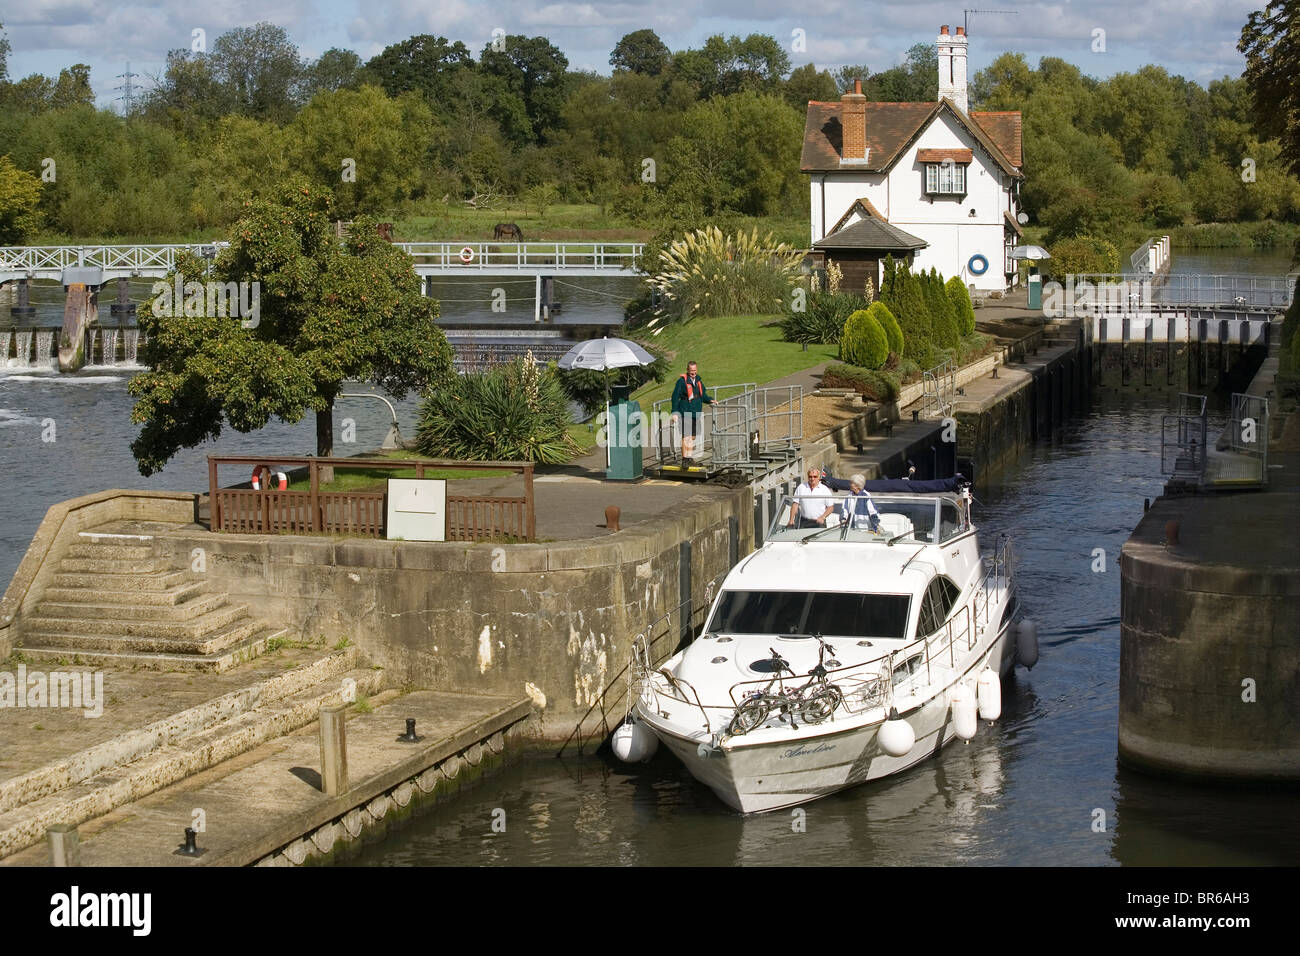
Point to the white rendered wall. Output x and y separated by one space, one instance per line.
946 222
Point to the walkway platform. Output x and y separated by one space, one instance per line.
269 799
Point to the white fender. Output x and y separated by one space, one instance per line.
896 736
963 712
634 742
989 694
1027 644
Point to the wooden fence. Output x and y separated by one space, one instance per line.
275 511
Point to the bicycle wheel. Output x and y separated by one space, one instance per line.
749 714
819 705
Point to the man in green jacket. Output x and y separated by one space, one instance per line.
689 397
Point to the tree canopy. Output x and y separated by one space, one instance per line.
326 313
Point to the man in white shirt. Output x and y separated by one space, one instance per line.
812 503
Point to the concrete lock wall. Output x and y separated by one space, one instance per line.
1208 663
554 621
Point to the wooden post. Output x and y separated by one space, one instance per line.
314 477
528 494
65 845
333 750
214 504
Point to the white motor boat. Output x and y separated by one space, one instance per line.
839 653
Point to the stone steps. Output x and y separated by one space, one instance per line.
113 603
113 565
149 581
201 626
84 606
215 663
137 598
139 762
147 642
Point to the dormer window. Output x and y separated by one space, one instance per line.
945 179
945 170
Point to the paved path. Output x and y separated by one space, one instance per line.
263 799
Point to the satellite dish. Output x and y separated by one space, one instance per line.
1022 218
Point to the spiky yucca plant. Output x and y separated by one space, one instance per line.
514 412
708 273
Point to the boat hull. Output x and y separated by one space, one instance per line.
757 777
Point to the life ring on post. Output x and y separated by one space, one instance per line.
279 480
978 265
467 255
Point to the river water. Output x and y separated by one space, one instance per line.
1027 790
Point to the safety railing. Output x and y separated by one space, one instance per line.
48 262
746 423
939 386
1113 292
1182 438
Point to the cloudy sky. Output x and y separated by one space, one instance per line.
1194 38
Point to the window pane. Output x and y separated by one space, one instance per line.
959 179
931 178
803 612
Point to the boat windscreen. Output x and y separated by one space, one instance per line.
811 612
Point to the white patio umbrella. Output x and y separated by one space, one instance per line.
1030 252
601 355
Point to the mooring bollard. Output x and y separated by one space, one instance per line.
333 750
189 847
1171 533
409 737
65 845
611 517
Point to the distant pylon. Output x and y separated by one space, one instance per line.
127 88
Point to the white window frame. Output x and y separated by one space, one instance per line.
945 179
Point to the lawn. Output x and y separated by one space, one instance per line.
730 351
375 479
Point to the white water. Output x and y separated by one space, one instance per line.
130 345
23 354
44 339
90 352
5 338
110 347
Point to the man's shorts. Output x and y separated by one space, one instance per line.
690 424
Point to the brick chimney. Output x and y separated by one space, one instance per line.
952 66
853 123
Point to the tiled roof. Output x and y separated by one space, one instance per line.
891 127
865 206
1005 130
939 155
871 234
1011 221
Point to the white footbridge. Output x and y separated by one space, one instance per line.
96 265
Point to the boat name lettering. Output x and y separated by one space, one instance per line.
801 752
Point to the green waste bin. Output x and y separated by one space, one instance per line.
625 431
1035 289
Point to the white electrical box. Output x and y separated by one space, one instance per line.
417 509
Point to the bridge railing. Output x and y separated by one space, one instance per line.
1118 293
24 261
487 256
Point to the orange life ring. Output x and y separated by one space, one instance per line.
280 478
467 255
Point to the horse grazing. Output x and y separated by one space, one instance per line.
508 230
